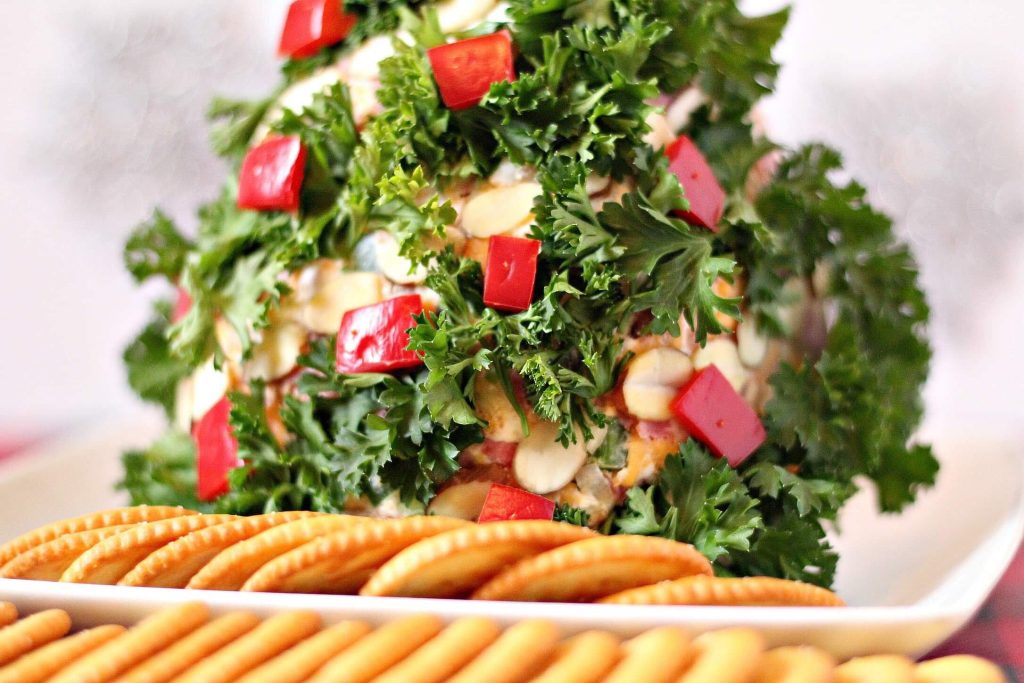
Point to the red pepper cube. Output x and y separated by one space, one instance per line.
508 502
706 196
313 25
510 273
713 413
271 175
464 70
217 451
375 338
182 305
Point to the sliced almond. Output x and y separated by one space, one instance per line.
596 184
228 340
753 346
329 293
542 464
458 15
493 406
461 501
679 112
723 354
661 134
499 209
208 387
183 404
652 380
276 354
395 267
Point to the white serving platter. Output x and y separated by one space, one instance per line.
911 580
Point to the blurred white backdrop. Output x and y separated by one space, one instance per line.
103 119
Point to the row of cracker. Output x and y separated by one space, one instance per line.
184 644
441 557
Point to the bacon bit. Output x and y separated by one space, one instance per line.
500 452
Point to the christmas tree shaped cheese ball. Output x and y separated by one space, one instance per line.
531 260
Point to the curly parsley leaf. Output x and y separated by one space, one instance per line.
156 247
163 474
153 371
697 499
571 515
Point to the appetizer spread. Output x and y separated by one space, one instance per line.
188 643
532 260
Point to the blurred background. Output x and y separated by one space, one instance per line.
103 120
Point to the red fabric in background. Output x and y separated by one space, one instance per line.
996 633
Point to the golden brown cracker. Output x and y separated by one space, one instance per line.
342 562
47 561
192 648
594 568
110 559
958 669
732 655
585 658
173 565
518 654
302 660
753 591
273 636
149 636
377 652
38 665
454 563
446 653
95 520
655 656
876 669
8 613
230 569
32 632
796 665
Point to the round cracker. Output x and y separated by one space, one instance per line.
301 661
191 649
655 656
732 655
594 568
149 636
39 665
958 669
519 653
457 562
796 665
342 562
173 565
230 569
48 561
8 613
96 520
876 669
585 658
32 632
273 636
377 652
752 591
446 653
110 559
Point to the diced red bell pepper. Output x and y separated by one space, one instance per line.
271 175
714 414
464 70
508 502
375 338
510 273
217 451
313 25
706 196
182 305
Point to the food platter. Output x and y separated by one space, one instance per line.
910 580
